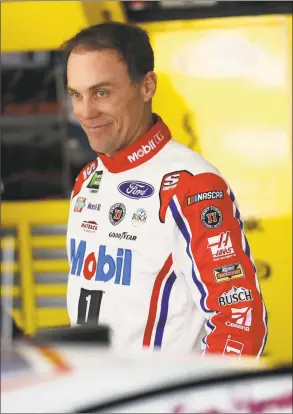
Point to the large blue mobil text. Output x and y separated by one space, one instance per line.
100 265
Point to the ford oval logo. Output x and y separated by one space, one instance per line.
136 189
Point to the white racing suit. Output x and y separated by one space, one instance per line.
157 252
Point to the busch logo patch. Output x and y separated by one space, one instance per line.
235 295
139 217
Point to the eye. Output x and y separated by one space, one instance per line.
74 94
101 93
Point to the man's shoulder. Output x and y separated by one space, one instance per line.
84 174
179 157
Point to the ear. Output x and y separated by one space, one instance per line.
149 86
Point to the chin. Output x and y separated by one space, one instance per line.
96 145
99 148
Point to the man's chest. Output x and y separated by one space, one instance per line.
114 228
115 207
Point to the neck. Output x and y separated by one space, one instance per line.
143 127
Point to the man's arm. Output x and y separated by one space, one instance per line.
218 266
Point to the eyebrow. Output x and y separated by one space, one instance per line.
91 88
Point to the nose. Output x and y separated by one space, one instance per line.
88 110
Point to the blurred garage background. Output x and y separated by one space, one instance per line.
225 90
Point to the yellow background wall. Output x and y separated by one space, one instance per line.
225 90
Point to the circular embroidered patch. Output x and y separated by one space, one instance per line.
211 217
117 213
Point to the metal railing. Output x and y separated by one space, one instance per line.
34 266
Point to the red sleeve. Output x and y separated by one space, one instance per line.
219 265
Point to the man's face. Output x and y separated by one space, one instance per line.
108 106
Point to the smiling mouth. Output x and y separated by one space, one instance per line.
96 126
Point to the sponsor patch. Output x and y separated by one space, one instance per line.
79 205
221 246
89 226
211 217
209 195
228 272
136 189
240 318
170 182
235 295
117 213
146 149
82 176
95 182
139 217
89 169
122 236
94 206
233 348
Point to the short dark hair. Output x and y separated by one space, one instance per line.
130 41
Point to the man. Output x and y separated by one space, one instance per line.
155 239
